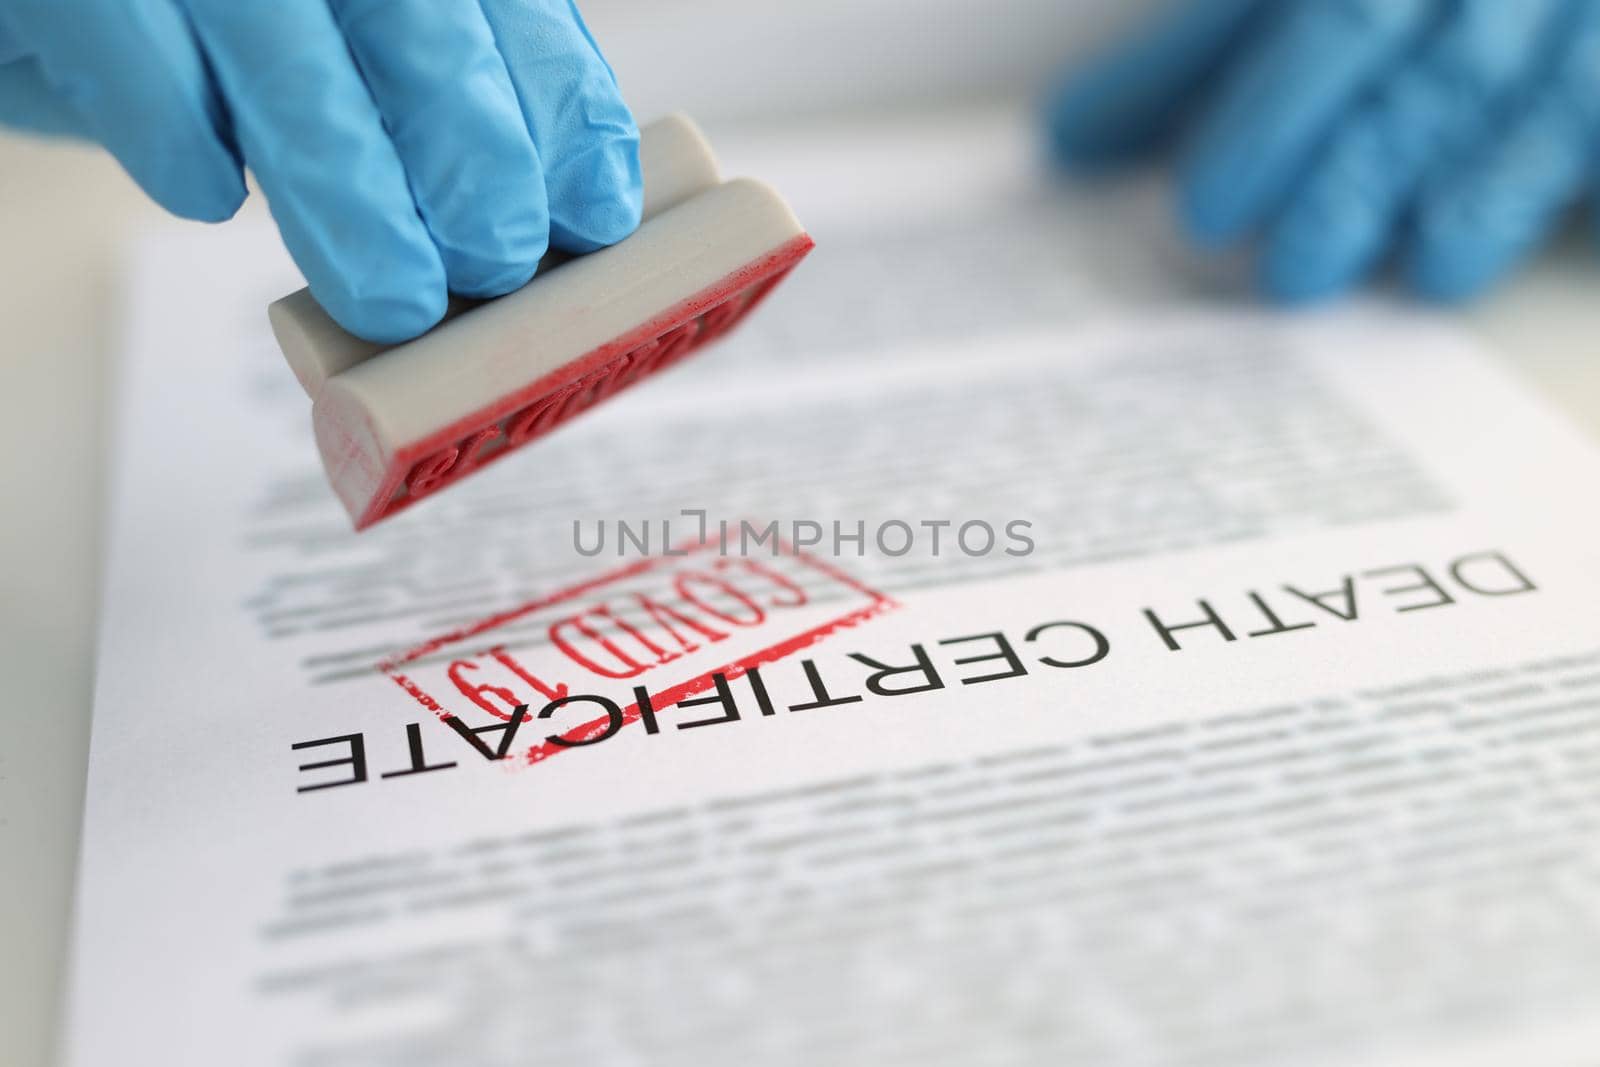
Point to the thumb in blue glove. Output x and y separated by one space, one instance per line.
1454 132
407 148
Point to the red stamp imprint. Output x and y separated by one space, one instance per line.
594 658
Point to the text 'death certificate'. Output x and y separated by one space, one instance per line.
955 667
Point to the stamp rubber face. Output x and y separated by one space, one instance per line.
422 468
585 664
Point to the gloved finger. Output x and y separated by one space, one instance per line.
314 139
1123 103
29 102
1278 102
12 47
1342 217
585 134
451 111
135 75
1484 219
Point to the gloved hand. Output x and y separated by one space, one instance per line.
404 146
1454 132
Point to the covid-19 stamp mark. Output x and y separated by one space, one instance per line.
585 662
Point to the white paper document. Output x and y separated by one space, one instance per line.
963 664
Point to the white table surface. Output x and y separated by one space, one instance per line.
65 214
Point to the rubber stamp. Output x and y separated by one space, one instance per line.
397 424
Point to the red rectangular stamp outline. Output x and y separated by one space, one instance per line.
397 667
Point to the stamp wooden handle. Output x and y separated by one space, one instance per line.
676 162
395 425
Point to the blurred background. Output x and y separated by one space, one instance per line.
68 213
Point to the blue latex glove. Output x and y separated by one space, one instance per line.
1455 133
406 147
